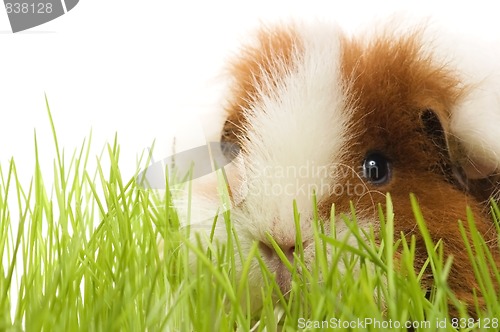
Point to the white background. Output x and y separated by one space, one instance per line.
146 69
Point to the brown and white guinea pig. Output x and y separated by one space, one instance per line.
314 110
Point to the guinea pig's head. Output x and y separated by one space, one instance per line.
317 113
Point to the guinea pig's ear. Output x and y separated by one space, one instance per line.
436 128
455 163
433 127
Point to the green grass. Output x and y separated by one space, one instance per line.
83 254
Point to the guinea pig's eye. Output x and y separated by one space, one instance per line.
229 149
228 142
376 168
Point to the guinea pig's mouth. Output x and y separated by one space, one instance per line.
284 279
277 267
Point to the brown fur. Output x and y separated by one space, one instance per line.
393 81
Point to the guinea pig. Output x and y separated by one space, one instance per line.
312 110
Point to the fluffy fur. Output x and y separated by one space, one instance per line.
308 103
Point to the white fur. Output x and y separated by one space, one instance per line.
294 134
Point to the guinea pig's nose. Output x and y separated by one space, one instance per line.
288 248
